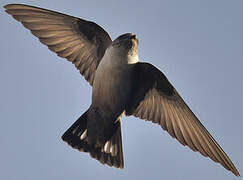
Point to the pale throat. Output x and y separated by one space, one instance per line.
114 56
132 59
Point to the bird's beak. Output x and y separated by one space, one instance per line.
133 36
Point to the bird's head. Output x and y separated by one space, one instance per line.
127 44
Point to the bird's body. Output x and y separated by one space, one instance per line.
121 85
111 90
111 86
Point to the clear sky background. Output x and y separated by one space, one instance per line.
197 44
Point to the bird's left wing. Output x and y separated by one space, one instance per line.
156 100
79 41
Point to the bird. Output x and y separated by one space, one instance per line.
121 85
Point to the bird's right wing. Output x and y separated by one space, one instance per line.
156 100
79 41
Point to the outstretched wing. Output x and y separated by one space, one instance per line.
79 41
156 100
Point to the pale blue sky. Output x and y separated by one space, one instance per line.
197 44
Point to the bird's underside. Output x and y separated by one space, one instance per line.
151 96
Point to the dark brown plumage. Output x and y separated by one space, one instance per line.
149 95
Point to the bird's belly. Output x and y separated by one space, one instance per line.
111 89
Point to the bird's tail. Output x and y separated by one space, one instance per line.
109 153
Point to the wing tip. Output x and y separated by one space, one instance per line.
11 6
236 172
7 6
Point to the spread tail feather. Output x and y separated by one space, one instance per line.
111 153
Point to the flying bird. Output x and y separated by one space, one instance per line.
121 85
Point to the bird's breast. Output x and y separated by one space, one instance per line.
111 88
